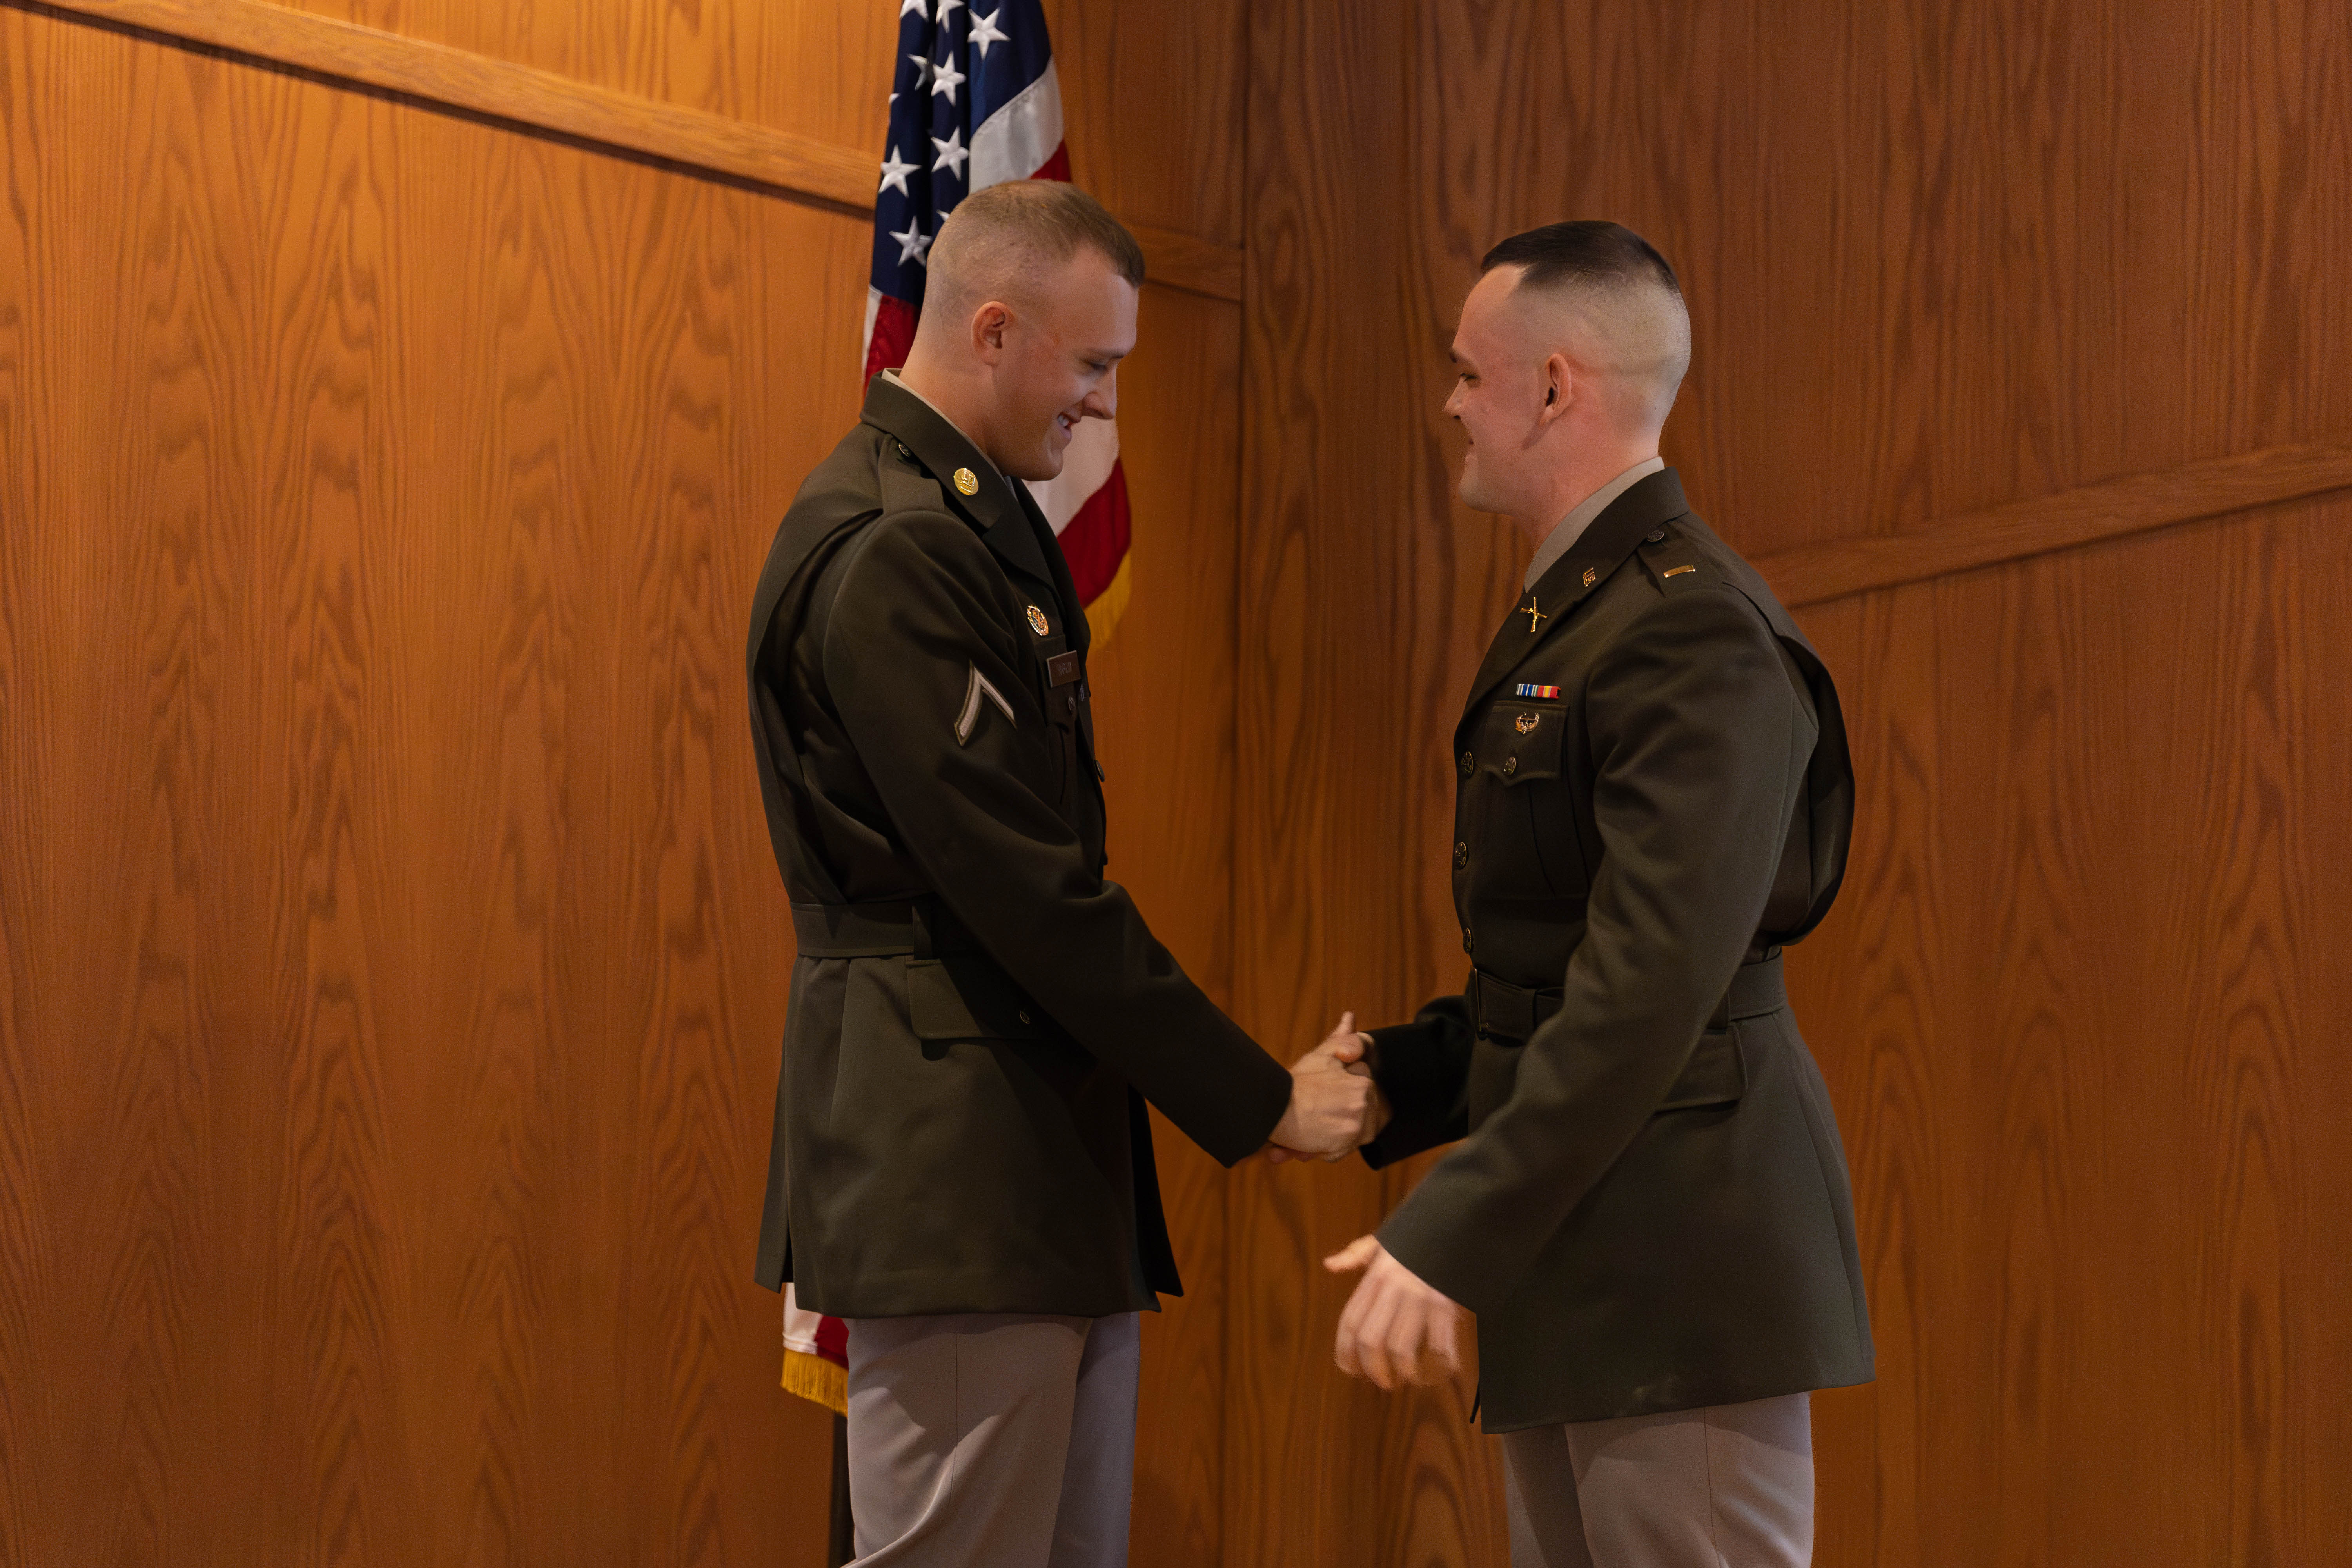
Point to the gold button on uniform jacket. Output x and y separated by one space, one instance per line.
1649 1209
977 1015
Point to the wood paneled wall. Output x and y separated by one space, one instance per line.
2081 1000
392 960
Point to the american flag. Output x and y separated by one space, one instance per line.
973 99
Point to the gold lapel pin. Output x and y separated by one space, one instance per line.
967 482
1591 574
1037 620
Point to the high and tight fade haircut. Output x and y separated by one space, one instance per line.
1582 250
1014 232
1635 327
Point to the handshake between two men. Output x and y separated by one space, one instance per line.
1395 1330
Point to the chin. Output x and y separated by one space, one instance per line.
1046 466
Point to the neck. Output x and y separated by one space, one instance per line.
958 393
1591 466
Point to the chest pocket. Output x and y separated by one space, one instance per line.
1529 825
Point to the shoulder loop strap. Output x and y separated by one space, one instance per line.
914 490
1676 564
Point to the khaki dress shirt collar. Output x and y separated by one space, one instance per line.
1569 528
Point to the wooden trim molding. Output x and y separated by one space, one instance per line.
1820 573
526 96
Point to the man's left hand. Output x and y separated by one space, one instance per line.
1396 1330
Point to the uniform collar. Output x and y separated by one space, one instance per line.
1569 528
993 508
1598 551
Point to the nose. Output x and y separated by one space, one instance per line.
1102 403
1453 401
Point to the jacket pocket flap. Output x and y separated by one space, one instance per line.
1715 1074
1523 741
967 997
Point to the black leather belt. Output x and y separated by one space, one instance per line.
1715 1074
922 928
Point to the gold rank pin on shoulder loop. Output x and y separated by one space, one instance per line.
967 482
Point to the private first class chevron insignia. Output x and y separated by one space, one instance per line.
975 691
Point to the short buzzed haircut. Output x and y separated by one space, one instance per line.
1008 237
1622 289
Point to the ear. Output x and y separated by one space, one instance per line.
988 324
1556 380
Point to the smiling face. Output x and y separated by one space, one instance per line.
1054 358
1498 397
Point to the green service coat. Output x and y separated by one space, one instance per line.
1649 1209
978 1018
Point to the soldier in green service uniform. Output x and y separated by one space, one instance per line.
962 1164
1649 1210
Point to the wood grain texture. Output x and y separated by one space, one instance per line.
1941 265
1132 72
1137 77
394 950
2191 493
548 101
2083 996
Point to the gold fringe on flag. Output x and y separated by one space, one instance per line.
1102 616
812 1377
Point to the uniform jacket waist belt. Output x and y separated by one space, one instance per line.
1508 1014
915 927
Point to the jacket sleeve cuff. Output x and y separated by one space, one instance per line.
1438 1256
1266 1095
1424 1071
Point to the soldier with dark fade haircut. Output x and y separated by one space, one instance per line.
1648 1207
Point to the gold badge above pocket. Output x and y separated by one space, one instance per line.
1037 620
1526 723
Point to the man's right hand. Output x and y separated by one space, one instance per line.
1334 1107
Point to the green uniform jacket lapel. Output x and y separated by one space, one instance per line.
1001 510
